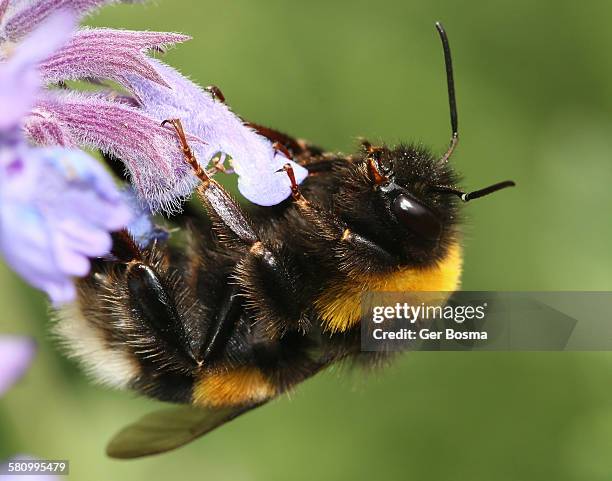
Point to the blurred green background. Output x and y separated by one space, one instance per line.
534 84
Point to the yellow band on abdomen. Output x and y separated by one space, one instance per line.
240 386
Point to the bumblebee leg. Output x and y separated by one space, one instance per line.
228 312
225 211
261 272
333 235
295 188
177 125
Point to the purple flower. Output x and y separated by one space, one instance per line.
130 129
106 120
128 126
253 157
57 206
16 353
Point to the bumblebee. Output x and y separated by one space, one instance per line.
253 303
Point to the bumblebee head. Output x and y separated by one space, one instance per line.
392 195
405 180
406 197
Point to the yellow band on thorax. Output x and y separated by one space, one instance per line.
340 306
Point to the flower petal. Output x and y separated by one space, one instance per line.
253 157
25 244
19 78
3 8
74 241
57 207
16 354
151 152
272 188
109 54
22 17
44 130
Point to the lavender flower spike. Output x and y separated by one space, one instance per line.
16 353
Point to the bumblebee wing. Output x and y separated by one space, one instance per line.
167 429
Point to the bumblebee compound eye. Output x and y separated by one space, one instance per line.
416 217
154 306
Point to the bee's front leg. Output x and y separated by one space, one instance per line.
267 279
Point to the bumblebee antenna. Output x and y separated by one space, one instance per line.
452 102
467 196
